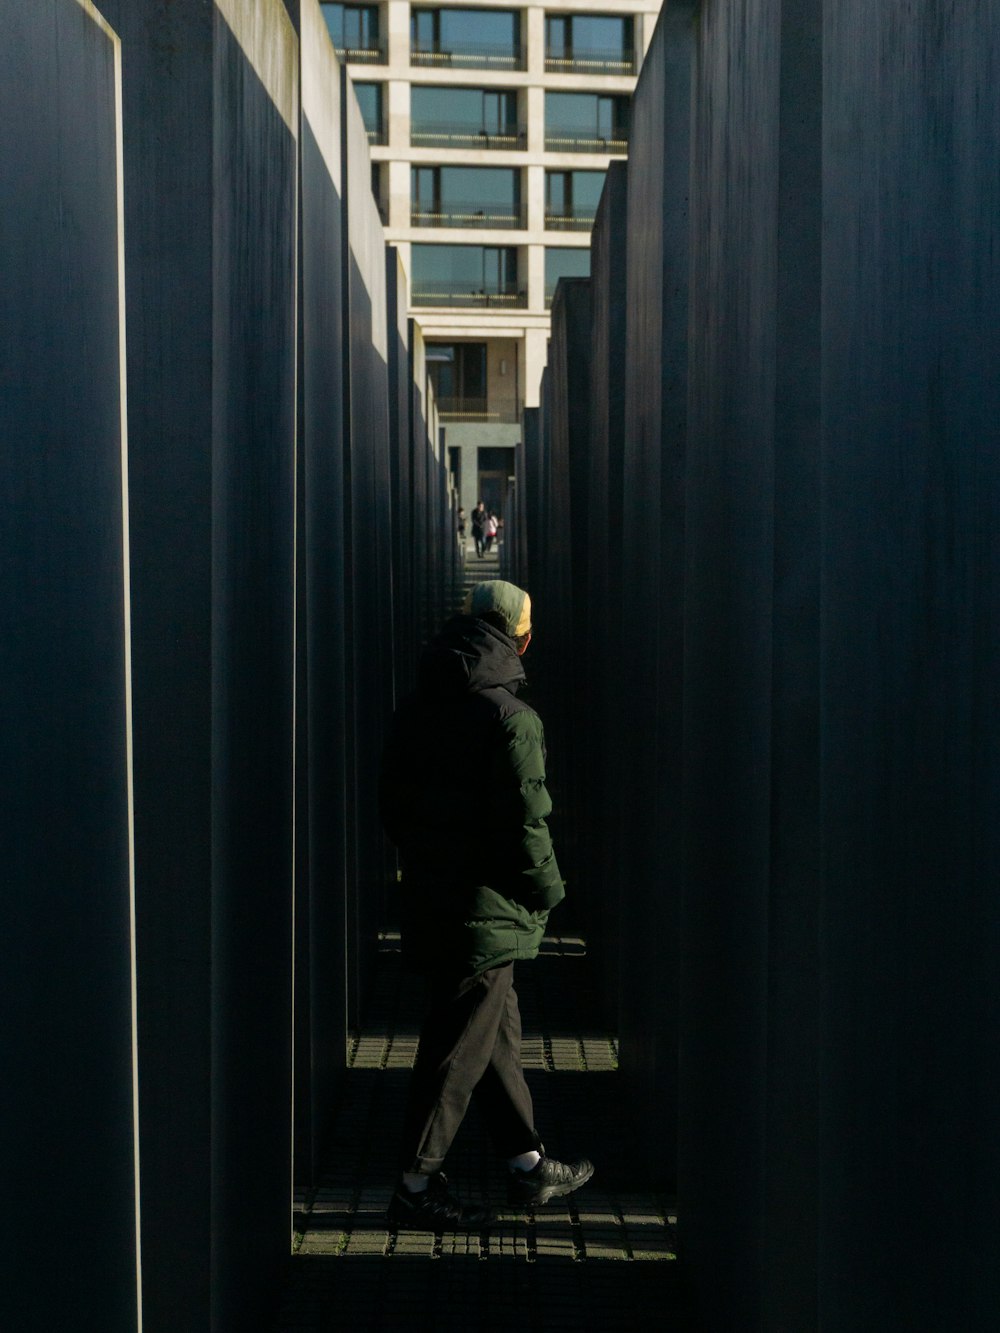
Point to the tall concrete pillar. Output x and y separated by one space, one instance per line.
910 1067
556 597
604 765
321 881
751 631
67 1044
653 569
210 100
368 537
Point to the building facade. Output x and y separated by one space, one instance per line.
491 127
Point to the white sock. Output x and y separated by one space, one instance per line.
415 1181
527 1161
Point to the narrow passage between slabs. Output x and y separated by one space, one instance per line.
588 1262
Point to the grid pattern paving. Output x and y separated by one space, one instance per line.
591 1261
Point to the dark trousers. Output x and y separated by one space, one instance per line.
470 1047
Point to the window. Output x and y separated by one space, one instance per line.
586 123
564 263
381 203
571 199
354 32
471 38
458 373
589 43
463 118
466 197
369 97
465 275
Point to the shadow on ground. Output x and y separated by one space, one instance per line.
602 1257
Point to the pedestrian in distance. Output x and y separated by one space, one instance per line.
461 529
491 531
479 526
479 878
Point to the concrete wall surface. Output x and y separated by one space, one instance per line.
808 587
321 962
909 471
253 582
648 818
65 829
602 765
558 574
211 185
368 532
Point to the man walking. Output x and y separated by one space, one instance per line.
479 879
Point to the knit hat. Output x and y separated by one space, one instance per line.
512 604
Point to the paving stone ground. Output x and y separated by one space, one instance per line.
601 1259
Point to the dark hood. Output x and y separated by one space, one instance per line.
469 654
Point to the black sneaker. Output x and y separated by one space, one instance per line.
547 1180
433 1209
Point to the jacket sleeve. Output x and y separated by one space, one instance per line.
521 806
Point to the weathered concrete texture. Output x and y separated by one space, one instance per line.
262 571
566 406
210 189
368 538
750 689
603 767
430 495
647 708
321 815
406 618
67 1043
809 567
910 657
531 507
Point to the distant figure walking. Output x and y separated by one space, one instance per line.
479 517
491 532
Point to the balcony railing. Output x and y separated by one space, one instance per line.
470 55
437 135
434 294
378 136
581 219
510 216
362 55
580 141
594 61
478 409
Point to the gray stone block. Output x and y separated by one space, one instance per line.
67 1043
210 101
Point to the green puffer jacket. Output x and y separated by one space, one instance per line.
463 798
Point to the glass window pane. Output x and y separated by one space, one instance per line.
334 15
598 35
488 187
556 183
557 36
605 117
575 112
352 27
425 192
499 112
587 187
468 268
450 113
424 23
479 27
369 97
472 369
